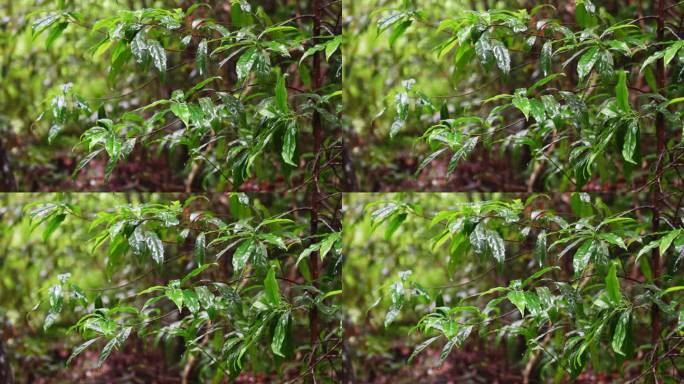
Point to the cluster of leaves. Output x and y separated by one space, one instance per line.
233 294
591 102
263 101
591 289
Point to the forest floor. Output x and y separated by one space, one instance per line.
134 364
144 170
474 363
481 172
463 367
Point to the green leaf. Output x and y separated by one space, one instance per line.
175 294
191 301
614 239
422 347
44 23
290 144
328 243
311 51
192 91
332 293
581 259
332 46
447 349
380 215
182 111
387 21
497 246
619 46
271 287
673 289
501 55
613 285
274 240
151 289
55 129
666 240
647 248
40 213
483 49
106 351
538 273
245 63
275 221
521 102
537 110
429 158
279 334
305 253
586 62
546 57
645 268
394 224
55 298
543 81
398 31
201 59
154 244
158 55
487 241
671 51
80 349
245 6
84 161
675 101
138 48
200 248
580 203
622 93
242 255
518 299
461 153
621 331
113 146
50 319
402 107
281 94
55 32
117 341
651 59
52 225
395 308
196 272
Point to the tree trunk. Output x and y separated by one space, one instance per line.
5 369
315 191
7 181
656 196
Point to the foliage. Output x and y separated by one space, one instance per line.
569 275
219 277
564 91
223 90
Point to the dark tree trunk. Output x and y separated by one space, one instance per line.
656 194
315 190
5 369
7 181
